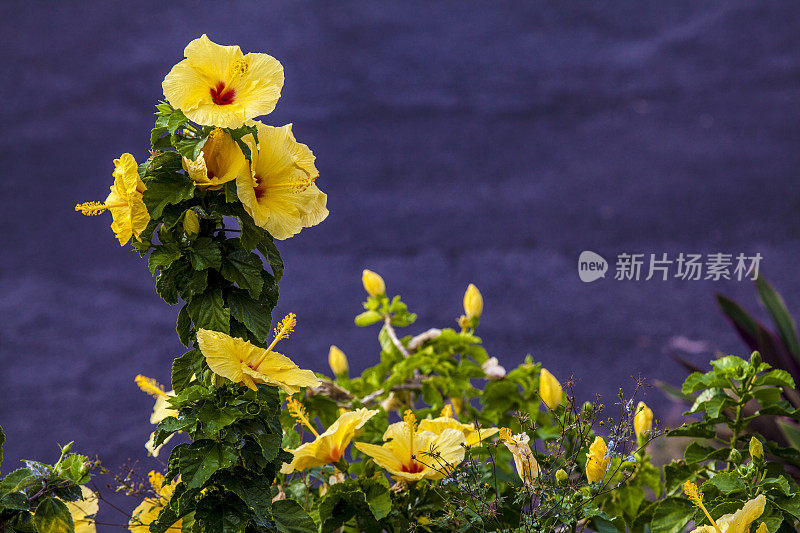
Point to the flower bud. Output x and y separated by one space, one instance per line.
191 223
735 457
337 361
367 318
473 302
643 421
550 390
755 359
373 283
85 467
67 448
756 449
561 476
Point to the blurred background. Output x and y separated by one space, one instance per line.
458 142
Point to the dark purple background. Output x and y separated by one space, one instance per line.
459 142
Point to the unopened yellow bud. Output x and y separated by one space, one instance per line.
373 283
643 421
561 476
550 390
337 361
191 223
756 449
473 302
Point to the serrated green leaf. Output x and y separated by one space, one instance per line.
183 368
166 190
726 482
163 256
53 516
208 311
244 269
202 458
671 515
205 253
176 120
290 517
254 314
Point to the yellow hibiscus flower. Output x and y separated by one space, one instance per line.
411 455
243 362
129 214
524 461
330 446
146 512
596 460
447 421
280 193
161 410
220 86
738 522
219 162
83 511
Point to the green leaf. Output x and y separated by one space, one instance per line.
166 190
205 253
163 256
726 482
183 368
780 314
671 515
791 432
184 326
253 490
677 473
16 500
17 480
778 377
290 517
254 314
201 459
244 269
176 120
53 516
208 311
697 453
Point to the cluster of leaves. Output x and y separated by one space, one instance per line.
779 347
32 497
729 398
226 473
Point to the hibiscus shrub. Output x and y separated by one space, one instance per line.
444 438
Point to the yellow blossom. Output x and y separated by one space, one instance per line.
643 420
146 512
161 410
243 362
128 212
220 161
220 86
330 446
373 283
83 511
280 192
596 460
446 420
473 302
550 390
524 461
411 455
738 522
337 360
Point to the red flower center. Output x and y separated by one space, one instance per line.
221 95
413 468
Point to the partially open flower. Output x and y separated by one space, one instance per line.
280 192
524 461
472 435
411 455
161 410
147 512
220 86
330 446
596 460
83 511
129 214
243 362
220 161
